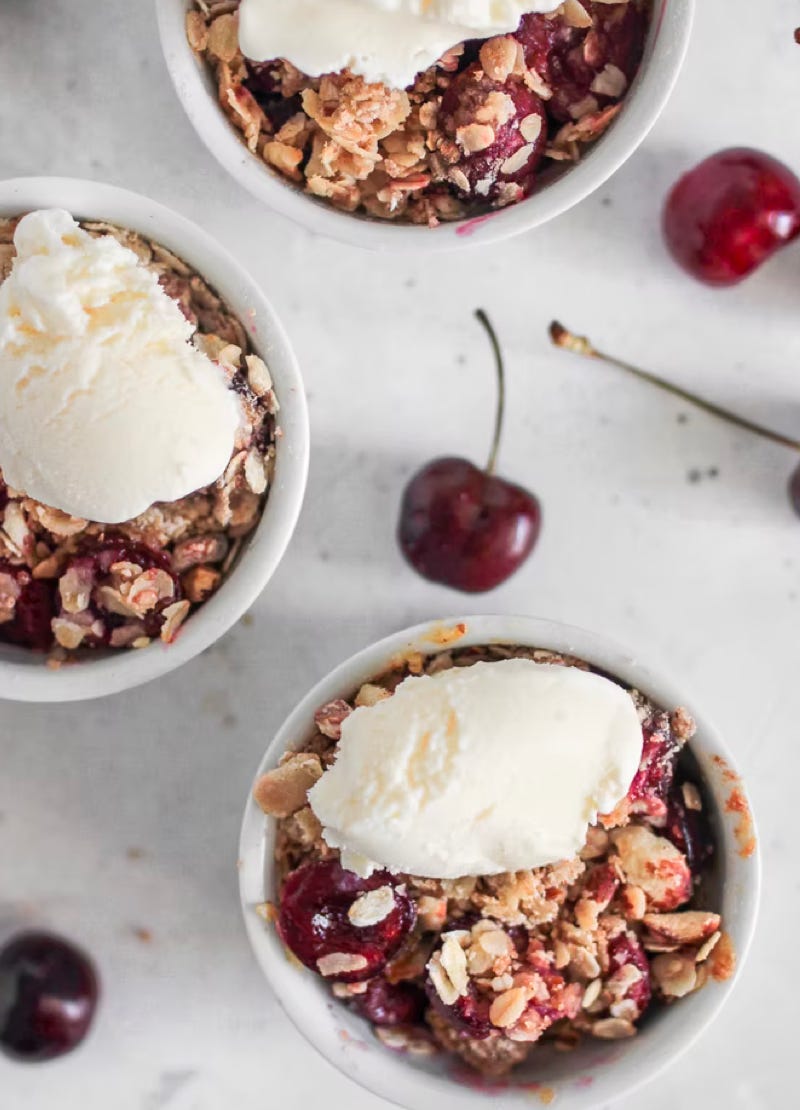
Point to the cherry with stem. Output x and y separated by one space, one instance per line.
462 525
580 345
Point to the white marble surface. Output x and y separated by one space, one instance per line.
701 577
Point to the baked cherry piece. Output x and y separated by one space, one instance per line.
575 63
385 1003
500 127
34 608
313 921
653 781
625 950
463 526
111 549
690 831
730 214
91 567
48 996
469 1014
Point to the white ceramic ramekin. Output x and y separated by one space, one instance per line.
666 49
596 1072
24 675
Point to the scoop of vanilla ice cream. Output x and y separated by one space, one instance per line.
390 41
479 770
105 405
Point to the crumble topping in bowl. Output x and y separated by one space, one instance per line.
471 131
104 334
384 41
484 966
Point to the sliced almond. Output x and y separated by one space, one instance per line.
689 927
340 963
282 791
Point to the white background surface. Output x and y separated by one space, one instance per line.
703 578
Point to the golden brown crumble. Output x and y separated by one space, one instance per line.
199 536
365 147
557 953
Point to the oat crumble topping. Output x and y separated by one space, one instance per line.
471 133
67 584
584 947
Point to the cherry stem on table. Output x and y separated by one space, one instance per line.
580 345
488 327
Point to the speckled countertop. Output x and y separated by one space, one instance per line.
119 819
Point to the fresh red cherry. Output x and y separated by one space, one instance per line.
731 213
48 996
463 526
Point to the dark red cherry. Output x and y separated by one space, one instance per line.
385 1003
263 78
571 59
503 170
469 1014
34 608
690 831
48 996
313 921
463 526
731 213
653 781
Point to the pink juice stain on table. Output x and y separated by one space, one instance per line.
471 226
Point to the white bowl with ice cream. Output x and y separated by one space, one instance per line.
597 1071
560 188
174 457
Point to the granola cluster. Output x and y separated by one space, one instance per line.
472 132
492 965
68 584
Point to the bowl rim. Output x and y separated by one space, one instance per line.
672 25
32 680
404 1086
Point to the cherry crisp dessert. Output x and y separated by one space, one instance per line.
68 584
484 968
473 132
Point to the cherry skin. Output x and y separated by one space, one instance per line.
464 527
794 490
690 831
469 1014
730 214
506 169
48 996
314 923
385 1003
34 609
